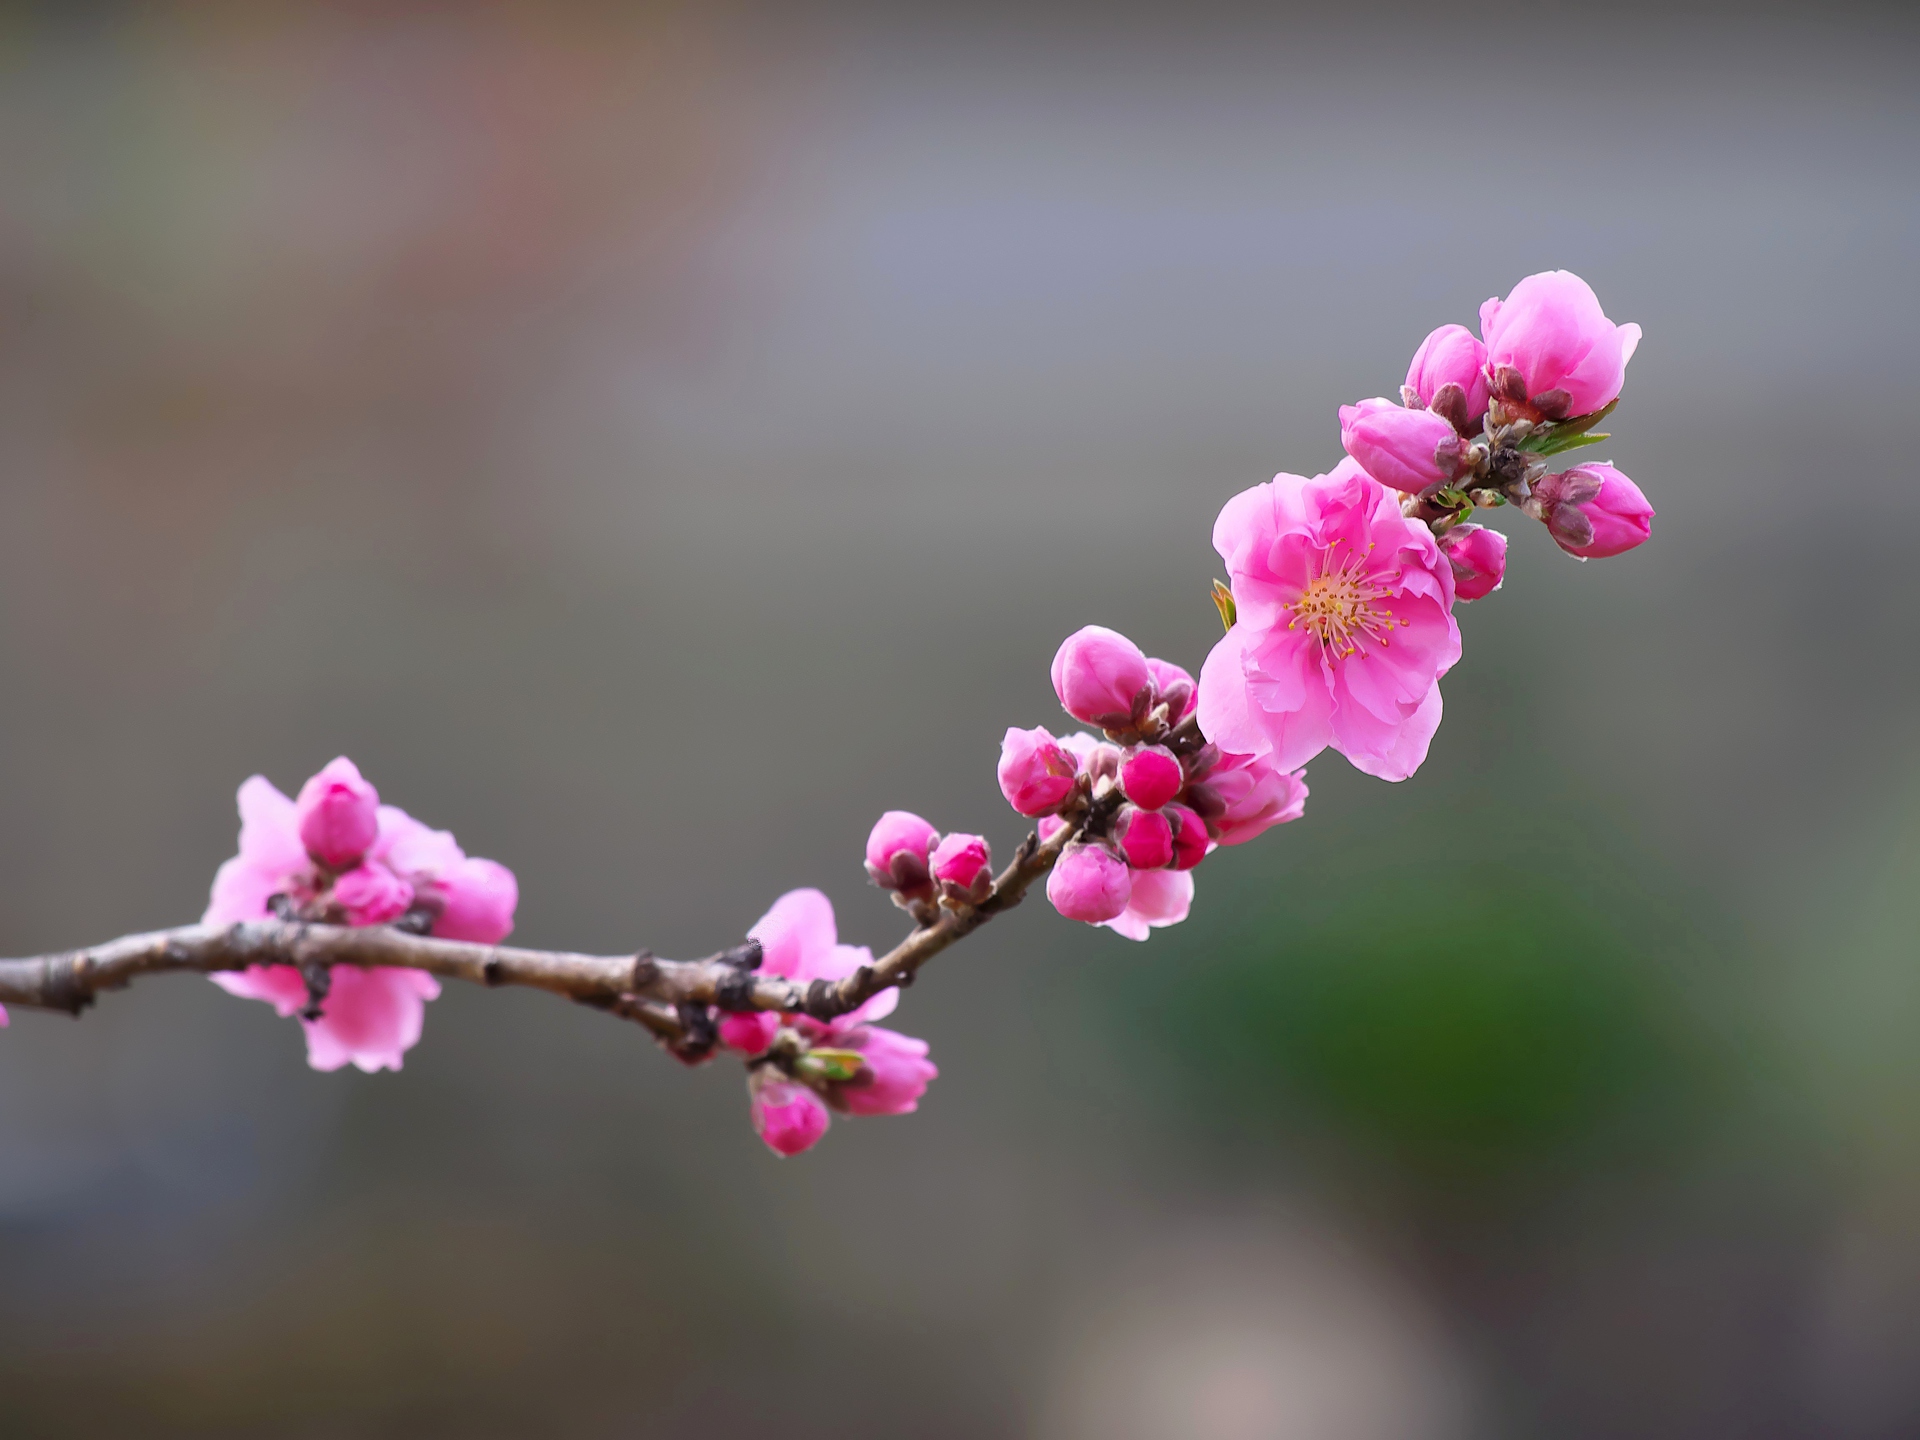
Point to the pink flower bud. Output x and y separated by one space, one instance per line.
893 1076
1145 837
372 895
338 814
478 898
897 854
1035 773
1090 883
964 867
1593 511
1102 678
1190 839
1551 348
1479 559
1403 449
1096 759
1151 776
750 1034
1245 795
1050 826
1450 356
1176 689
789 1116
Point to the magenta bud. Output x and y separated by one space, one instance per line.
1551 348
1090 883
1035 773
1190 838
789 1116
1450 356
1176 689
1145 837
1478 557
750 1033
1151 776
964 867
897 851
338 814
894 1073
1102 678
1404 449
1594 511
1050 826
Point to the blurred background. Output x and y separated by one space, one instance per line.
652 441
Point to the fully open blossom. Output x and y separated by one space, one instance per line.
1035 773
1345 626
894 1073
1551 347
369 1017
1159 897
1409 450
789 1116
1246 795
1594 511
799 940
1479 559
897 851
1451 355
1089 882
1102 677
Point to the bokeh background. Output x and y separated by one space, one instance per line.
652 441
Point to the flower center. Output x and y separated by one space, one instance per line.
1340 604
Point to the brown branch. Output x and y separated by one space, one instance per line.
668 997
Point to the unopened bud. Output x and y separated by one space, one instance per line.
1190 838
1407 450
1036 775
1478 557
1101 678
1089 882
1450 359
789 1116
1175 689
897 851
339 815
1151 776
1593 511
1145 837
964 867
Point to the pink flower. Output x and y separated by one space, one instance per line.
1145 838
1102 678
786 1114
1160 897
1151 776
1345 626
1096 759
1450 356
1050 826
1191 842
1176 688
1410 450
338 815
1550 347
4 1022
749 1033
799 940
1479 560
1035 773
1593 511
897 850
1089 882
964 867
369 1017
893 1077
1245 795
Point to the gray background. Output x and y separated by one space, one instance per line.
652 442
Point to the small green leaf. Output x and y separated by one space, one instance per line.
1223 602
831 1064
1559 446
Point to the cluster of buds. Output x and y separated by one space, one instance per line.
1481 417
1149 796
